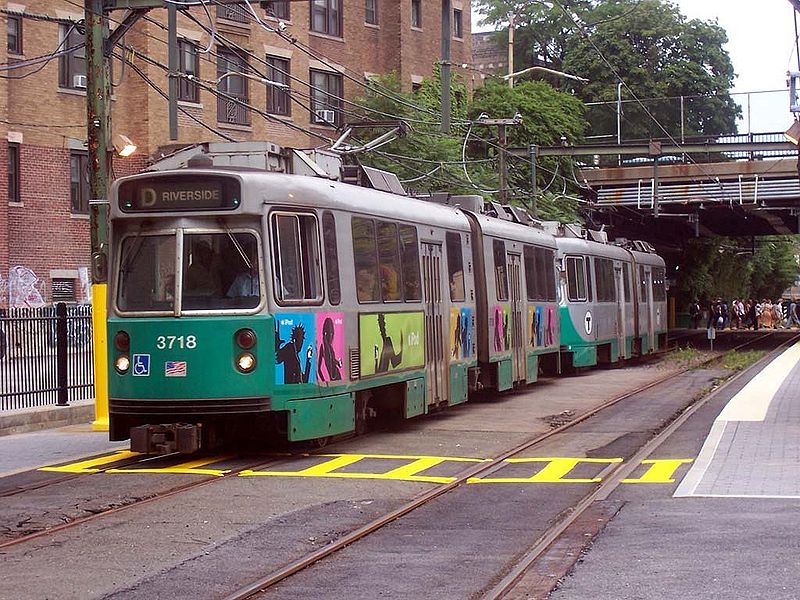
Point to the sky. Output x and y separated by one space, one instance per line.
761 46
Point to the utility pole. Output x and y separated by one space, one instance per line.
97 122
501 125
511 49
445 70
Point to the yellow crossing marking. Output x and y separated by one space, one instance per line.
88 466
187 468
554 471
408 472
661 471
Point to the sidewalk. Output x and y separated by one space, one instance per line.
33 437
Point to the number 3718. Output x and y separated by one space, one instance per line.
168 342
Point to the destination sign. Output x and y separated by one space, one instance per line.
180 193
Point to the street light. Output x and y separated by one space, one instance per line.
123 145
546 70
793 133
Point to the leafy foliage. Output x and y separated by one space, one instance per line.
720 267
648 44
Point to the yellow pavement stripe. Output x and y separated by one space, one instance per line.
661 470
554 471
89 466
187 468
408 472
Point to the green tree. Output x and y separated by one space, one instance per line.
425 159
648 44
548 117
774 266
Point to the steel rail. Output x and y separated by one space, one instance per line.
613 478
137 503
487 468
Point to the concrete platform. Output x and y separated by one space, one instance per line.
753 448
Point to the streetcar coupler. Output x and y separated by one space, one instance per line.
183 438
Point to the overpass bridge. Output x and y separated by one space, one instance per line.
737 186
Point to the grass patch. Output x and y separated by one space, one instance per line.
683 356
737 361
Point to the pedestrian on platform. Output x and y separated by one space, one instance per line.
695 314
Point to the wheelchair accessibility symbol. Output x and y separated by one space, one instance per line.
141 365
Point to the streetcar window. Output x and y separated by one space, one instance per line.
365 257
455 266
531 272
604 271
549 275
331 258
576 280
501 276
410 258
659 285
589 288
296 257
220 270
147 274
642 284
626 281
389 260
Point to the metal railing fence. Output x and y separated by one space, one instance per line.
46 355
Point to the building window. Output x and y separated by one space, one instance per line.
13 173
326 98
233 12
188 90
72 66
371 12
458 28
79 182
233 88
278 9
326 17
63 289
278 101
416 13
14 34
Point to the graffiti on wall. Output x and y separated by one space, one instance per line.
25 289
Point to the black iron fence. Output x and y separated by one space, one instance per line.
45 355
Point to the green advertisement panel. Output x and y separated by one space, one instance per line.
391 342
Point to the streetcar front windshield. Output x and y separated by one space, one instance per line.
219 271
147 274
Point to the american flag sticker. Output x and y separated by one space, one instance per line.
175 368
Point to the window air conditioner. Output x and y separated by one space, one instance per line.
324 116
79 82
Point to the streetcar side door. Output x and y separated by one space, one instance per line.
435 360
518 327
621 316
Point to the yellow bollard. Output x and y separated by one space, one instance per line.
100 341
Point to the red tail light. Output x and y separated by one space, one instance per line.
122 341
246 338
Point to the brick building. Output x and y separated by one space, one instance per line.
488 58
329 49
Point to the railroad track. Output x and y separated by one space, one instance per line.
261 464
514 572
185 487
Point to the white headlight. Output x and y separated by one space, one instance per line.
122 364
246 362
